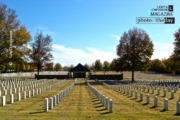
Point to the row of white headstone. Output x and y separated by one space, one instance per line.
169 85
18 83
33 93
51 102
12 90
130 94
128 89
102 98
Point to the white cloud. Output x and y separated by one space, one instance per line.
67 55
117 37
162 50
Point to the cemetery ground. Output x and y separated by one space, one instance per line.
81 104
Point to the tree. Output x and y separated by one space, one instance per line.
134 50
176 52
49 66
98 65
71 67
87 66
106 66
58 67
66 68
91 67
20 37
113 65
41 49
172 65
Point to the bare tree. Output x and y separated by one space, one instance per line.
41 49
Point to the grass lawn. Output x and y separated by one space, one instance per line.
81 104
127 108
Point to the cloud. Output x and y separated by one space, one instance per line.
117 37
67 55
162 50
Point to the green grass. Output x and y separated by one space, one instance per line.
81 104
31 108
126 107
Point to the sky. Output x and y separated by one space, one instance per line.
86 30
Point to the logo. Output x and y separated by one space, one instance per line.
162 14
162 10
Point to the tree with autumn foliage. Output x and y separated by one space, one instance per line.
49 66
176 52
20 38
135 49
58 67
41 49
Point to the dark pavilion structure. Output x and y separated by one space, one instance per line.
78 71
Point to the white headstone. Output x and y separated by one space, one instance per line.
24 94
3 100
141 96
46 104
165 104
110 105
19 96
107 101
147 99
178 107
11 98
29 94
164 92
172 94
135 94
155 101
51 103
54 100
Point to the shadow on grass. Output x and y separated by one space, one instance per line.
176 114
133 98
103 113
145 104
37 112
97 103
128 96
163 110
171 98
101 109
153 107
95 100
98 106
139 101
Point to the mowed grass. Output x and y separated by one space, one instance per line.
30 108
81 104
128 108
